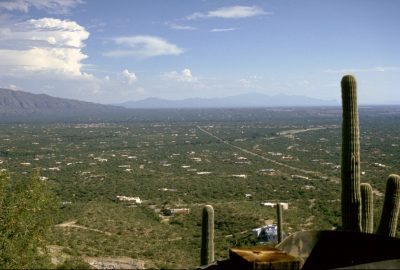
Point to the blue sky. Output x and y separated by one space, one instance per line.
114 51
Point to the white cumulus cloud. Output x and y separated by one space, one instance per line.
186 76
143 47
183 76
234 12
45 44
129 76
51 6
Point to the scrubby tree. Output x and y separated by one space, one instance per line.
27 210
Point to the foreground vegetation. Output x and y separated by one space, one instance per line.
27 210
186 159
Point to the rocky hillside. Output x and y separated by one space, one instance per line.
23 106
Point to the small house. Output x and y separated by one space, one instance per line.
136 200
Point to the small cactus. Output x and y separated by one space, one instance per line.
350 173
279 216
367 214
207 236
390 211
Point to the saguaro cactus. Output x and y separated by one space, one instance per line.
367 206
357 200
390 211
207 236
279 211
350 172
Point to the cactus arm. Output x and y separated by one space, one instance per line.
391 205
367 202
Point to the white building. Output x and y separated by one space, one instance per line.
136 200
285 206
300 177
268 204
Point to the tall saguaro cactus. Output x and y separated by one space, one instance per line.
350 173
367 205
391 205
207 236
357 200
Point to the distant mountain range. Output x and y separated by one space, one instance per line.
19 105
24 106
239 101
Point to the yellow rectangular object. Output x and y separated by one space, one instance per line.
261 258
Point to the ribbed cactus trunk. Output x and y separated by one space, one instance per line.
207 236
350 173
390 211
279 216
367 205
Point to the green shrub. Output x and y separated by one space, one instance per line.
74 263
27 210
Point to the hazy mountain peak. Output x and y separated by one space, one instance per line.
251 99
